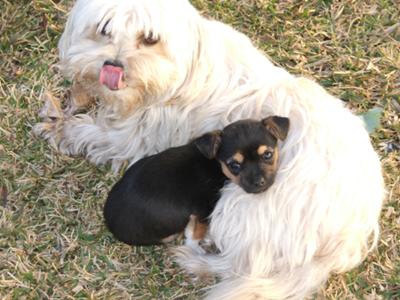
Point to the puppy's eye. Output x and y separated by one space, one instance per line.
267 155
234 166
104 29
150 39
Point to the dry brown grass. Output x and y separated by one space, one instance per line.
53 243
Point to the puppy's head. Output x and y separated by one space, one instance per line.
129 52
247 151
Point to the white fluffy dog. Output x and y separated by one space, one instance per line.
163 74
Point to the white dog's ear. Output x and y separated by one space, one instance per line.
208 144
278 126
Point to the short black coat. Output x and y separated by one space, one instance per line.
156 196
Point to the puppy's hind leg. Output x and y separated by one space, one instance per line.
195 232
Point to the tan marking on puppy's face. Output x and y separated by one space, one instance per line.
271 166
225 169
255 168
238 157
261 149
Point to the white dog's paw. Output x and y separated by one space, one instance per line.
60 128
51 109
52 116
49 131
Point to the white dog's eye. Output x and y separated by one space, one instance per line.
104 29
150 39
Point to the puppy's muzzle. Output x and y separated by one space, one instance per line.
256 185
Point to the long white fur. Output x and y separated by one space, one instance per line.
321 214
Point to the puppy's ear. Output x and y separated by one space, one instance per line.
208 143
278 126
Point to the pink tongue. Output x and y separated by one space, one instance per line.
111 77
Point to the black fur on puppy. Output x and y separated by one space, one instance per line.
159 194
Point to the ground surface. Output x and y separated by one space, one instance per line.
53 243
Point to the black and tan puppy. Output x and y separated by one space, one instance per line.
159 194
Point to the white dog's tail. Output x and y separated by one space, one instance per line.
289 285
241 288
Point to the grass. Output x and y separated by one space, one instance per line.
53 243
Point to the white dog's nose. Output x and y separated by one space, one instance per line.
114 63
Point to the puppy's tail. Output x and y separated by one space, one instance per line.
292 284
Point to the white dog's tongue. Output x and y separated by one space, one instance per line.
111 76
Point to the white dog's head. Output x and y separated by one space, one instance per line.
129 52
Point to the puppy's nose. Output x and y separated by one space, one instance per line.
115 63
260 182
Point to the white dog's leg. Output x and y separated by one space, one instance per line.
62 129
53 130
51 109
79 135
76 134
52 116
101 138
